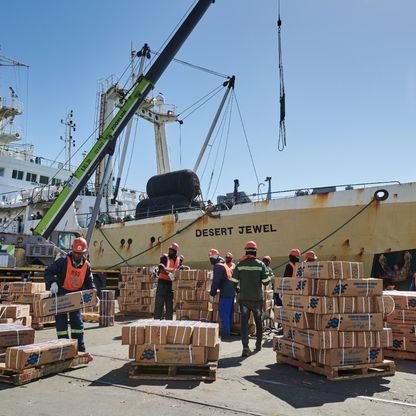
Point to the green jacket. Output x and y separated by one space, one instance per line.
251 273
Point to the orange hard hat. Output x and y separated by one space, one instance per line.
250 245
267 258
310 255
229 255
174 246
295 252
213 253
80 245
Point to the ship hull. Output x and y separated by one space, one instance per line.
276 225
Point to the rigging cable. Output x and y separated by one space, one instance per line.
282 123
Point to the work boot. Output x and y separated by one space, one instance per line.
246 352
258 346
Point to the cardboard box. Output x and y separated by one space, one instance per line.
350 322
192 284
33 355
15 334
191 294
378 339
330 270
26 298
136 300
347 339
22 287
170 354
137 286
137 270
384 304
402 316
130 307
205 334
310 304
293 285
107 295
297 319
402 330
293 349
404 344
402 300
349 356
156 332
194 304
137 278
194 315
356 304
213 353
66 303
180 332
312 338
14 311
349 287
124 293
194 275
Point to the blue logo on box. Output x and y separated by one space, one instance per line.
397 343
374 353
412 303
339 288
33 358
148 354
334 322
291 334
313 303
296 317
86 297
301 285
299 272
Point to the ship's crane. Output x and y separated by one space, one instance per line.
105 144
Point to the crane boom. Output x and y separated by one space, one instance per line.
105 144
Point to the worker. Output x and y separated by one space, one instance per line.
310 256
249 275
294 257
168 266
71 274
222 281
229 261
181 265
268 261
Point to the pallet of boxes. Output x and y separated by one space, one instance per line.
106 310
332 321
27 293
191 295
137 292
172 350
402 323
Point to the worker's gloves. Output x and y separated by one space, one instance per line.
54 288
172 276
211 299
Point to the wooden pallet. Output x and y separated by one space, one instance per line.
38 326
19 378
184 372
90 317
345 372
400 355
137 315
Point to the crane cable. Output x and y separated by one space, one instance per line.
282 123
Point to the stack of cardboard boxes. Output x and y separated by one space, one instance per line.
137 291
191 295
171 342
107 308
402 322
331 315
12 335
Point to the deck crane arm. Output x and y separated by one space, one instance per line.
105 144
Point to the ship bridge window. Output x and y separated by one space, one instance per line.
1 171
43 179
56 181
17 174
31 177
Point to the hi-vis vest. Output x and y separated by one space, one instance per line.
74 278
293 269
170 268
228 271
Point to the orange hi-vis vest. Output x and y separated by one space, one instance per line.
75 277
228 271
170 268
293 269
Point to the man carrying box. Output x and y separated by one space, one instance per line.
71 274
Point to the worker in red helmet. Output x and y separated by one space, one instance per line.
310 256
294 257
229 261
168 266
66 275
221 282
250 274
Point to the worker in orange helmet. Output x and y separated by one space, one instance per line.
310 256
229 261
222 281
294 257
168 266
68 274
250 274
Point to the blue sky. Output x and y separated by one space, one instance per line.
350 80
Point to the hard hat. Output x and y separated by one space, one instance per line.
182 257
267 258
213 253
295 252
229 255
80 245
250 245
310 255
174 246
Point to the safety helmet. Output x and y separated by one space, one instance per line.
229 255
174 246
295 252
267 258
181 257
250 245
310 255
80 245
213 253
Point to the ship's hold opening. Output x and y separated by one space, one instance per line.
381 195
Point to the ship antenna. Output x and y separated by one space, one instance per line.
282 124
